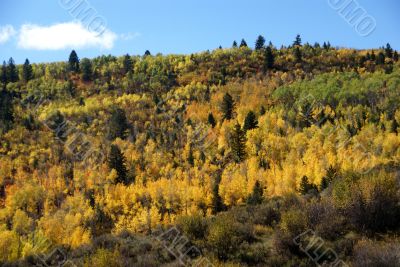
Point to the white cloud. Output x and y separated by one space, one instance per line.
6 32
129 36
63 35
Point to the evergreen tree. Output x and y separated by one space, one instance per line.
12 71
27 72
269 59
297 41
395 56
331 174
190 158
227 107
147 53
394 126
118 124
388 51
256 196
127 64
117 161
250 122
243 43
238 143
234 45
380 60
6 110
211 120
4 76
73 62
373 57
306 187
297 55
260 43
86 67
217 204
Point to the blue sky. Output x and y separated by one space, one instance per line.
44 30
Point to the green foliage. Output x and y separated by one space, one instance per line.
250 122
238 143
260 43
269 59
243 43
306 187
211 120
27 72
86 68
12 71
118 125
117 162
256 196
73 62
227 107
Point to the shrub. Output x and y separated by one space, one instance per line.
371 254
194 226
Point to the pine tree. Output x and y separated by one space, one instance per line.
395 56
12 71
127 64
297 55
257 195
297 41
331 174
73 62
118 124
117 161
86 67
269 59
388 51
211 120
147 53
380 60
243 43
227 107
373 56
4 76
27 72
250 122
190 158
260 43
238 143
217 204
262 111
394 126
6 110
234 45
306 187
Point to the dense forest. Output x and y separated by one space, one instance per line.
259 156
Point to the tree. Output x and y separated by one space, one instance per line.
260 43
6 110
297 41
147 53
331 174
395 56
127 63
243 43
262 110
380 60
217 204
373 56
306 187
118 124
211 120
269 60
117 161
73 62
297 55
238 143
4 76
394 126
256 196
227 107
12 71
86 67
234 45
250 122
27 72
388 51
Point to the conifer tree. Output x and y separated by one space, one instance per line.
243 43
217 204
118 124
147 53
256 196
27 72
227 107
127 63
260 43
86 67
6 110
395 56
73 62
211 120
238 143
262 110
117 161
250 122
388 51
394 126
12 71
297 55
297 41
380 60
4 76
234 45
269 59
306 187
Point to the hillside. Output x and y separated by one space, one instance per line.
252 154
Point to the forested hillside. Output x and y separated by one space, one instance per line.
245 150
